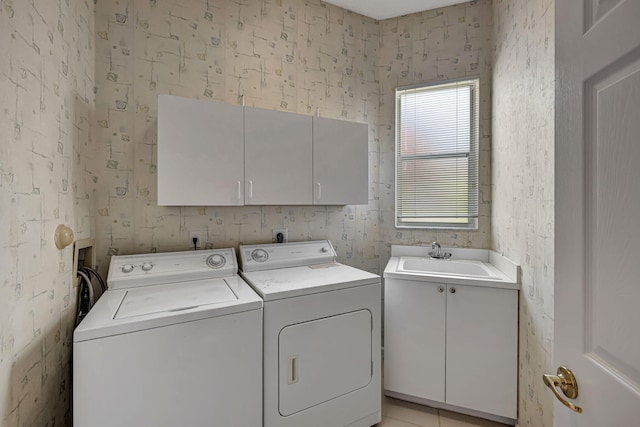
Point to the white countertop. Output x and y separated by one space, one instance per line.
506 272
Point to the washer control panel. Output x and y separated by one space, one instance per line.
216 261
283 255
160 268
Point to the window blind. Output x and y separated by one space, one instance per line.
437 155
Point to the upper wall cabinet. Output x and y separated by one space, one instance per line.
200 153
215 154
277 157
340 162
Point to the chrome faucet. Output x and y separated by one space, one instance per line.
437 253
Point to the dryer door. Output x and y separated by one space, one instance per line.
323 359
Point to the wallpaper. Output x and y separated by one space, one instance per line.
287 55
523 182
439 44
46 114
300 56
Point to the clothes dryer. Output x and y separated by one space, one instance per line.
176 340
322 336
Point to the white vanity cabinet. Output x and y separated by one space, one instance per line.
200 153
452 344
340 162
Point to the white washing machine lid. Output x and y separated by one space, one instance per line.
311 279
174 298
121 311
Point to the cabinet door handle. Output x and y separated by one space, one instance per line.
441 289
250 189
239 190
452 290
319 190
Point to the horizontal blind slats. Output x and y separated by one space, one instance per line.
437 153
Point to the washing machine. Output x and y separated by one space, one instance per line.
321 322
175 340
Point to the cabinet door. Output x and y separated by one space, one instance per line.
200 152
340 162
414 338
482 346
277 158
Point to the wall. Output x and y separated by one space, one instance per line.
439 44
523 182
46 106
288 55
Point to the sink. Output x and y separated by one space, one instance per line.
455 268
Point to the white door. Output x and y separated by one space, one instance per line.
482 348
323 359
277 158
200 153
340 162
597 202
414 338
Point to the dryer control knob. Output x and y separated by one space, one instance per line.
127 268
259 255
147 266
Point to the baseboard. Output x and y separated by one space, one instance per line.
452 408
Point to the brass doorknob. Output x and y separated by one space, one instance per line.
567 383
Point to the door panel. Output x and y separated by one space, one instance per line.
414 338
597 204
323 359
278 155
482 349
613 236
200 153
340 162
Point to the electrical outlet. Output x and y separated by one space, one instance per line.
195 234
285 235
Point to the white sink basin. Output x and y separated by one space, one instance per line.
455 268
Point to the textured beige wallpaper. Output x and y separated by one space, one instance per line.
46 107
439 44
288 55
523 180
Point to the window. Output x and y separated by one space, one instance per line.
437 155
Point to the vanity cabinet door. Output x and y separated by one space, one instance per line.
414 337
482 349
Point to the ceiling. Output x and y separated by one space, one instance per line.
385 9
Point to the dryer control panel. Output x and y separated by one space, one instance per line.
283 255
126 271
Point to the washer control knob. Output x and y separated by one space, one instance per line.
127 268
147 266
324 250
216 261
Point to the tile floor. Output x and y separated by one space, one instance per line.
397 413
